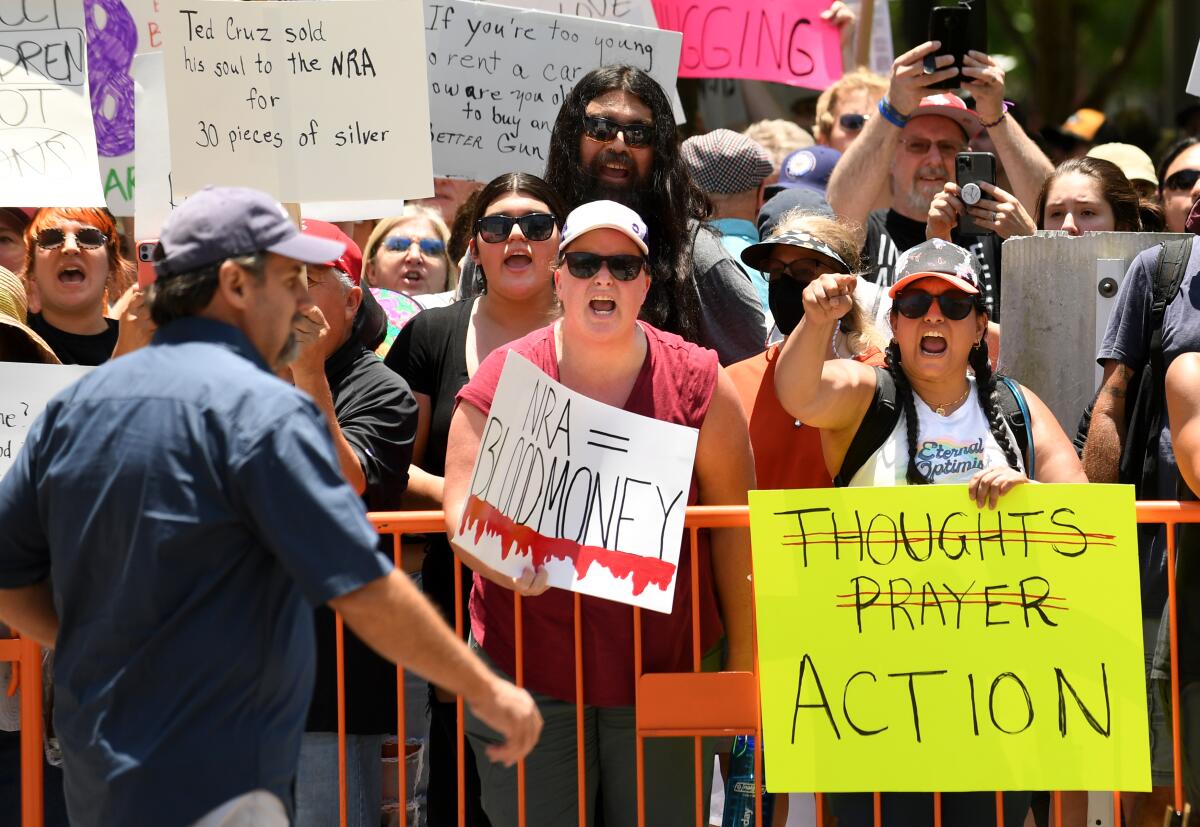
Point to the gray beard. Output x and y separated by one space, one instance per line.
288 354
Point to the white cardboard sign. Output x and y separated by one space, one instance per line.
593 493
632 12
47 140
309 101
24 391
499 75
153 199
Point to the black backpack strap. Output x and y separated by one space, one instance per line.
1016 413
877 425
1139 459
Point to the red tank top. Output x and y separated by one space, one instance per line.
675 384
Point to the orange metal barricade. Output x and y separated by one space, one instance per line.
692 705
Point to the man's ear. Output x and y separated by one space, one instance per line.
354 297
233 284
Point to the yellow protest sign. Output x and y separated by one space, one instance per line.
909 641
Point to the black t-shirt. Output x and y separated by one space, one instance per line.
889 234
430 352
378 416
73 348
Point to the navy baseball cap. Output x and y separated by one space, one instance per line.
217 223
809 168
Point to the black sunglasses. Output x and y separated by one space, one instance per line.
1185 179
853 123
955 304
89 238
605 131
622 267
536 226
802 270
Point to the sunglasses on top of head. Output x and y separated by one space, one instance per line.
89 238
429 246
605 131
623 267
535 226
1184 179
955 304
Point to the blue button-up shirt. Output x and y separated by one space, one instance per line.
185 504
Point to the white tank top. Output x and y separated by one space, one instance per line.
950 449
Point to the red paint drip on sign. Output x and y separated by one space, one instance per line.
522 539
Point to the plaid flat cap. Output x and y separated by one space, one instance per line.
724 161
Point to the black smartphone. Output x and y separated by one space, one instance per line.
971 168
959 28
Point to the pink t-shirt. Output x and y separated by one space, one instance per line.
675 384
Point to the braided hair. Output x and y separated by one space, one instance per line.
985 387
989 400
904 393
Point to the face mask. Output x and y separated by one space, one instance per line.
785 297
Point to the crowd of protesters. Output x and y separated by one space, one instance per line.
182 524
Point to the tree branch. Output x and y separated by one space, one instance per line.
1143 16
1005 17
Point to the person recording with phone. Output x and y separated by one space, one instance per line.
914 139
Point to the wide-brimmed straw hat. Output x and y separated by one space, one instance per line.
13 310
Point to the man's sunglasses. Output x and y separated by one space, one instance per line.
89 238
853 123
1185 179
605 131
536 226
622 267
429 246
955 304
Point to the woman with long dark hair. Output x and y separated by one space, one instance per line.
517 220
1093 195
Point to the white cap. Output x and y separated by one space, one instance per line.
604 215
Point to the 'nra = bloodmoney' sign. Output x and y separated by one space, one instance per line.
594 494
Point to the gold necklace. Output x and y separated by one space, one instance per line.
940 410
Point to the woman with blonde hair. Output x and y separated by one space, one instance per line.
407 253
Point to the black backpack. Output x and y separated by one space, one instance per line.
1143 406
884 412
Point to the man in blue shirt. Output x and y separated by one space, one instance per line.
170 522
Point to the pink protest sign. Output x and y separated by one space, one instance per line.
785 42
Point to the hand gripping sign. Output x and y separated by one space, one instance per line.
910 641
593 493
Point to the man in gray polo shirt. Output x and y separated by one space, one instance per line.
170 522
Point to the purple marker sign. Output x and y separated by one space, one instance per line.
111 47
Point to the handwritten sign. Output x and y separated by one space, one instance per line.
24 392
146 14
593 493
112 40
633 12
915 642
755 39
47 142
498 76
310 101
155 200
